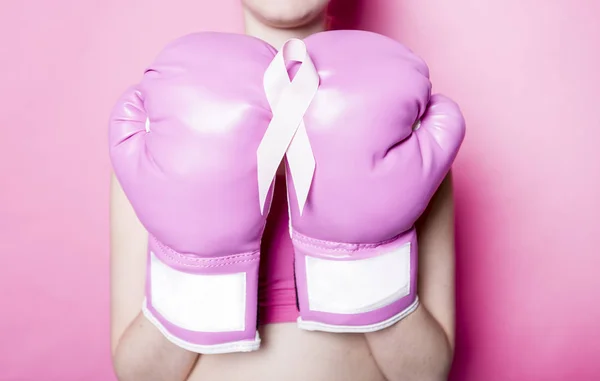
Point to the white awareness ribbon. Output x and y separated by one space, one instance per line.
286 134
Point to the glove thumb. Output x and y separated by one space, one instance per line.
127 132
440 132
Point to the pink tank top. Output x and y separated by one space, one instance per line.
276 287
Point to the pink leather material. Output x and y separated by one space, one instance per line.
306 246
374 175
192 179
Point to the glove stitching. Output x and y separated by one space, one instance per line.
184 260
322 244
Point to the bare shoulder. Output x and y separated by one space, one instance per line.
128 245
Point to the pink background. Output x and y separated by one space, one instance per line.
527 180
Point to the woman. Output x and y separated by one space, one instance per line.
419 347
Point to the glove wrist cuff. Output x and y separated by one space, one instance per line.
355 287
205 305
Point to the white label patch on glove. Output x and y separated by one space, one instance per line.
350 287
202 303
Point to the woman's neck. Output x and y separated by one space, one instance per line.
277 36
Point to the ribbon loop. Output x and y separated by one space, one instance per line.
286 134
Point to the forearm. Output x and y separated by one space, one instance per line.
144 354
416 348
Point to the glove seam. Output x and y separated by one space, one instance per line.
301 239
184 260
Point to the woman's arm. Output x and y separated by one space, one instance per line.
140 351
420 347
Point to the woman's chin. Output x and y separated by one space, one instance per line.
286 14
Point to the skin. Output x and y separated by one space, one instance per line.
420 347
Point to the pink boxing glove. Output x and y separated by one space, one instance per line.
183 145
382 146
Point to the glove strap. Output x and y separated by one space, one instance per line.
205 305
355 287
